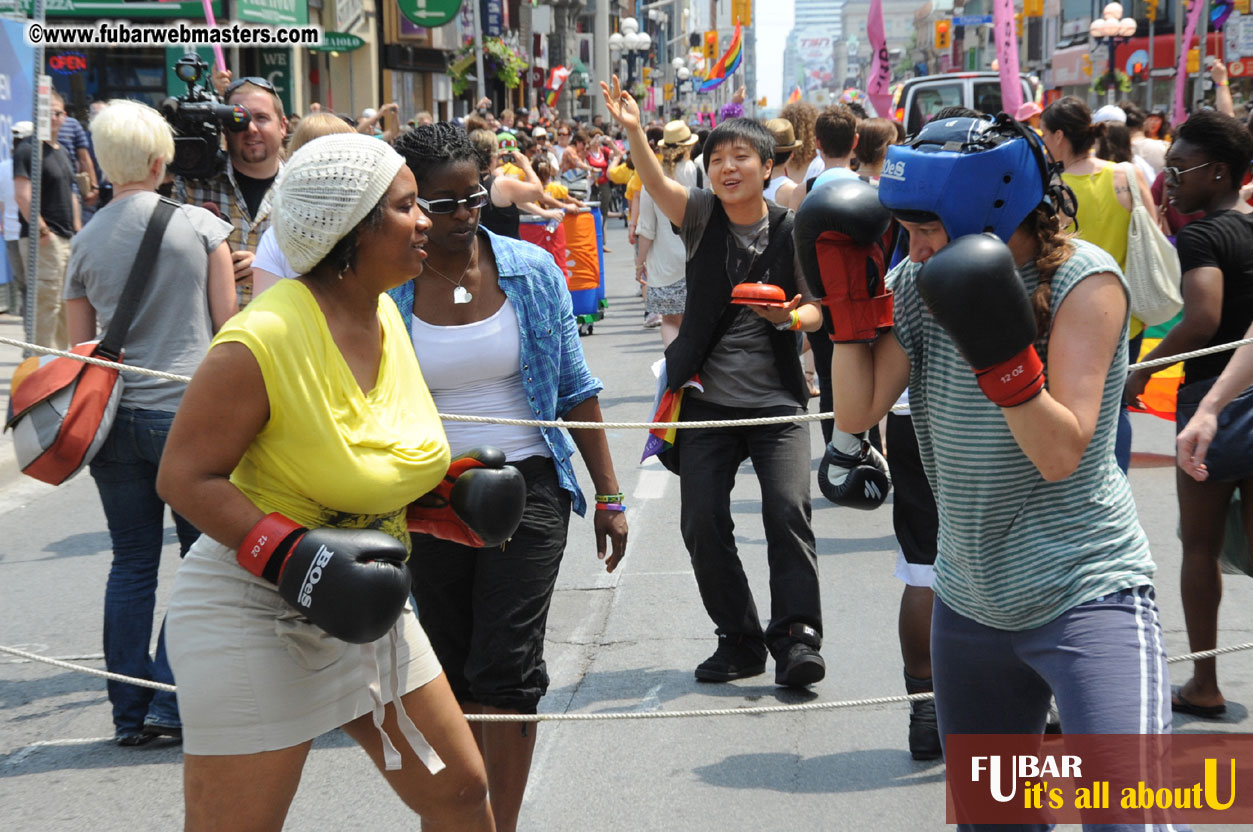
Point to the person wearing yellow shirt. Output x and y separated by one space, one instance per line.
310 413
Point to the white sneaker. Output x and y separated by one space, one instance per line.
652 321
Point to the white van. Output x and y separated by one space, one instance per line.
919 99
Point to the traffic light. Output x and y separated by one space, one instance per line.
1150 9
1033 8
943 34
1018 24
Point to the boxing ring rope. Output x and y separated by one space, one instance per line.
755 710
24 656
558 423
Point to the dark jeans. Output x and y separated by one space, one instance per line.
708 461
1122 443
125 472
820 344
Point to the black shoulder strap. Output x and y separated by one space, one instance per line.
141 270
700 178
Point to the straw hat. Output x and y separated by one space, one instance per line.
785 140
677 134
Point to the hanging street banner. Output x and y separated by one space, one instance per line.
429 13
338 42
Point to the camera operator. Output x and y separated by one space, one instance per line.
240 192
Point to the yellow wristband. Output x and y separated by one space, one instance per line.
1224 83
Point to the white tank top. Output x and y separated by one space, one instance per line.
473 369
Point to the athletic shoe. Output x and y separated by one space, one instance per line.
134 740
799 666
924 732
737 657
154 729
652 321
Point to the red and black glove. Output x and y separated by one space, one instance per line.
975 293
838 234
352 583
478 503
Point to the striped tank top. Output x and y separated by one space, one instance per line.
1016 551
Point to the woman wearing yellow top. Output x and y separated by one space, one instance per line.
1103 199
310 418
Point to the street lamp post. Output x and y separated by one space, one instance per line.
1111 30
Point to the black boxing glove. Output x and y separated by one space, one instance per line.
478 503
852 473
351 583
838 238
973 290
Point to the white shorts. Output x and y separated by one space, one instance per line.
254 675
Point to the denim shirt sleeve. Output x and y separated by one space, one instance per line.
555 375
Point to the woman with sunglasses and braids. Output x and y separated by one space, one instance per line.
1205 166
494 331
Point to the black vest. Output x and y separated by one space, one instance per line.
708 311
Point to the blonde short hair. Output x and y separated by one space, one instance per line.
316 126
128 138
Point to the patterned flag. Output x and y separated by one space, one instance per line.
726 65
881 66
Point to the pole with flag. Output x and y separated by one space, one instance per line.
556 80
880 82
1005 32
727 64
796 95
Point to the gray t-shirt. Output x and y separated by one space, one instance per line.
740 371
172 328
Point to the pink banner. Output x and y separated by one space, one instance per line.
1180 112
877 89
1006 35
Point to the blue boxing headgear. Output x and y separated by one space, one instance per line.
974 174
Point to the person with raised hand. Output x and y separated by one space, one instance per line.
747 358
299 446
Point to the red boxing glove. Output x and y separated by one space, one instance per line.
478 503
838 234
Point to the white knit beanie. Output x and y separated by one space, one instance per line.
327 187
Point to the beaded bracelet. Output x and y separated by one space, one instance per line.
610 498
610 507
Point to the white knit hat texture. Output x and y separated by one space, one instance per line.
327 187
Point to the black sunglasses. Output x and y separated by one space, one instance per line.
1173 174
255 80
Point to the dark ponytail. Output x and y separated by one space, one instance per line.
1071 116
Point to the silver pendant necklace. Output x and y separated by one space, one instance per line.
460 294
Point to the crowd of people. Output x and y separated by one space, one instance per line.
342 281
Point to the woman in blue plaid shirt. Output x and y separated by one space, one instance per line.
495 334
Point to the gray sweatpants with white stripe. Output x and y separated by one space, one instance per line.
1103 660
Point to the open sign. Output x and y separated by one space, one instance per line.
67 63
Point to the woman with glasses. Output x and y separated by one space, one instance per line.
494 331
1204 168
1103 199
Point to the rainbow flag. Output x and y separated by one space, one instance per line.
556 80
726 65
1160 393
795 96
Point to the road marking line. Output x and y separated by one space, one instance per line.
21 754
652 484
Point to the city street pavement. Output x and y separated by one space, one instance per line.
622 642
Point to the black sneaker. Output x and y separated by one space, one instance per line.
924 732
154 729
134 739
797 663
737 657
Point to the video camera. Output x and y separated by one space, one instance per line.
198 119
